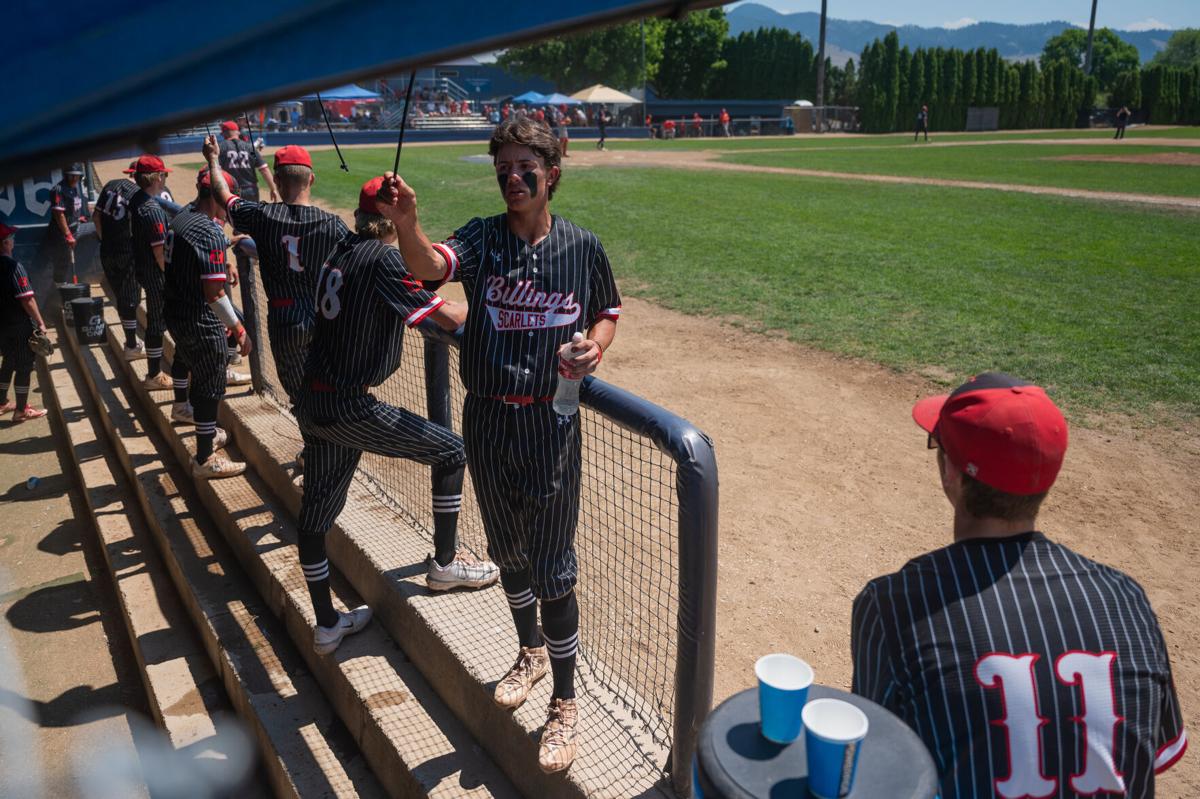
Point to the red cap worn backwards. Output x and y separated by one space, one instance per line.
6 231
292 155
202 180
1002 431
366 197
229 125
146 164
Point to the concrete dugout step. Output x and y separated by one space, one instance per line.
185 693
410 737
462 642
306 750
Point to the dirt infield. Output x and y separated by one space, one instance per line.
826 481
1170 159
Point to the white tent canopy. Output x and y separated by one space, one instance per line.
603 94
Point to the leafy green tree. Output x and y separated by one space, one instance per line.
1126 91
611 56
1111 55
769 62
1182 50
692 54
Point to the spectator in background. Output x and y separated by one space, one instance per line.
669 129
540 116
724 122
1122 121
580 116
564 137
602 124
697 124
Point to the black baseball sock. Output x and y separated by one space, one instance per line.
560 623
154 351
130 327
523 605
447 501
204 410
179 374
21 388
315 565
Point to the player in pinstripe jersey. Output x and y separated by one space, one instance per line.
112 220
148 228
532 280
199 314
1029 670
19 317
293 238
241 159
365 298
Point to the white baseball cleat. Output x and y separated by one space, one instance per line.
465 571
326 639
235 359
216 467
159 382
234 378
182 412
134 353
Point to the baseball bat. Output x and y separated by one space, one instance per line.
412 78
329 127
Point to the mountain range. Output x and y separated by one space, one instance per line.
845 39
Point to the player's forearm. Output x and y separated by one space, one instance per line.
60 219
269 178
31 309
216 180
420 257
603 331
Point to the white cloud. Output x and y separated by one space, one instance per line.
959 23
1148 24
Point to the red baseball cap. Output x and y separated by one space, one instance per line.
366 196
202 181
6 231
146 164
1002 431
229 125
292 155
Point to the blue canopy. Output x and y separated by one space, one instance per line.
347 92
78 90
561 99
536 98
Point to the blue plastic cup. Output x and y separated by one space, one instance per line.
833 734
783 682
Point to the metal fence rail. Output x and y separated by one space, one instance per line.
646 537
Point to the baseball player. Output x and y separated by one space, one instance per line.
1027 669
532 281
19 317
148 223
68 208
294 238
112 219
922 123
241 158
365 298
198 313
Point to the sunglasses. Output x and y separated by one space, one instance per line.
932 442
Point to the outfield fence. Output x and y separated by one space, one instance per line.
646 538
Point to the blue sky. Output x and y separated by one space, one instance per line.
1121 14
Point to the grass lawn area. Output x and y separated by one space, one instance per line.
1100 304
899 140
1000 163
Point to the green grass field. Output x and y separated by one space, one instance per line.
1099 303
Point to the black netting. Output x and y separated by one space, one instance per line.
627 539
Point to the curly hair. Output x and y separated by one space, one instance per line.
373 226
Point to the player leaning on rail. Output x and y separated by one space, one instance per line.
532 280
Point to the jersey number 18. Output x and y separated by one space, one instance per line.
330 283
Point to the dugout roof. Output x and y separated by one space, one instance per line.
84 78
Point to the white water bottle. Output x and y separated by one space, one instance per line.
566 396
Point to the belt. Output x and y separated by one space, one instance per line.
520 399
281 302
321 387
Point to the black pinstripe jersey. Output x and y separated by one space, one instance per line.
293 242
526 300
113 205
365 297
241 159
194 253
148 227
14 285
68 199
1027 669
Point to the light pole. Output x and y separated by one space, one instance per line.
821 72
644 98
1087 59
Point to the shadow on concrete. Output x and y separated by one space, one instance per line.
76 705
48 486
26 446
63 539
55 608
